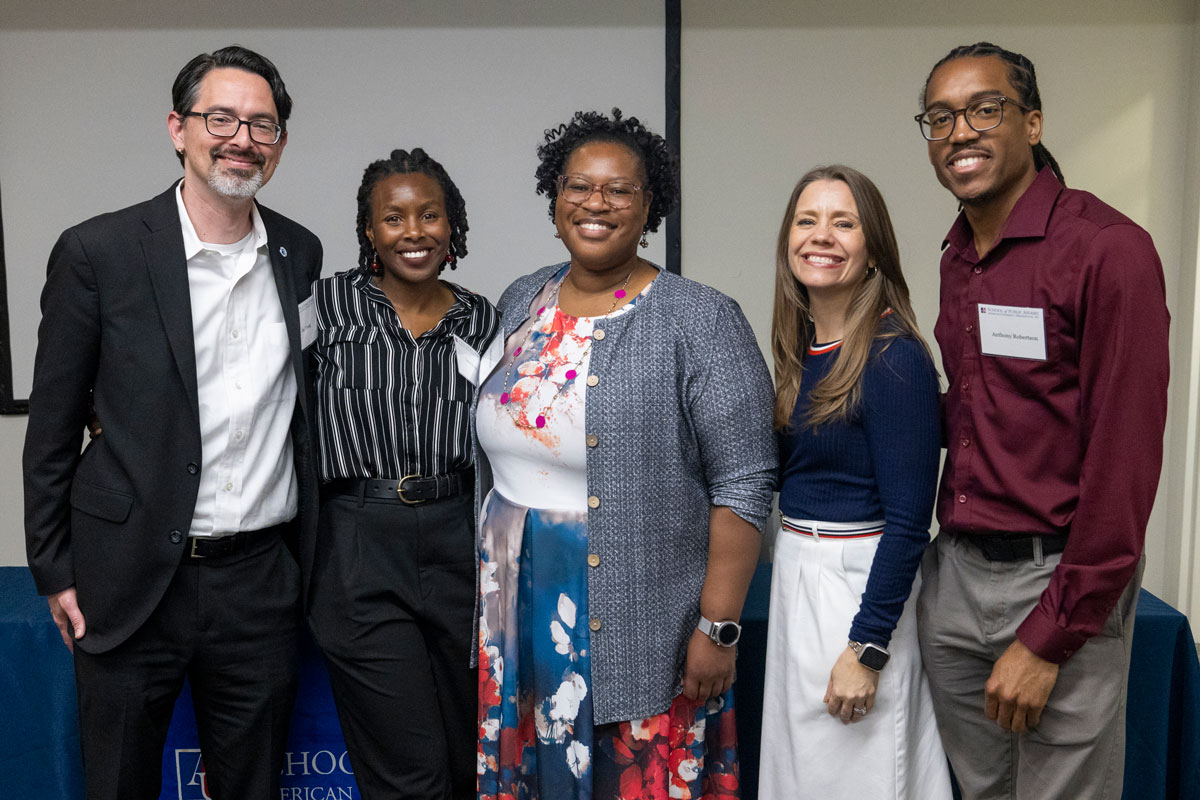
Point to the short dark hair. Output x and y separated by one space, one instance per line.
403 162
1022 77
658 163
187 83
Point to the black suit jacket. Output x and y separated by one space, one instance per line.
117 328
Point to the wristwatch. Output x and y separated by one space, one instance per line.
724 633
871 656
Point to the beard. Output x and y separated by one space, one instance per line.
240 184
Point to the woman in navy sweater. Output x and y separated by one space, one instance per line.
846 707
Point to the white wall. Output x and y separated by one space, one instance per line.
770 88
787 87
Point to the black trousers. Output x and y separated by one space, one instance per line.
393 594
231 626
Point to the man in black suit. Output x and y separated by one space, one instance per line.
162 547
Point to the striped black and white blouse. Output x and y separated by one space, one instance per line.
390 405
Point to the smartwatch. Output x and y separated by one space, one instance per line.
871 656
724 633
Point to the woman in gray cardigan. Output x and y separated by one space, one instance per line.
626 439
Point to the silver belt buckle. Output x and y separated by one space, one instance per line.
193 553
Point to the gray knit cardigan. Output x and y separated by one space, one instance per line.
683 412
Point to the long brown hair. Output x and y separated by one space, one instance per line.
837 395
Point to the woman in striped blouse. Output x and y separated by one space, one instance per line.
846 706
393 582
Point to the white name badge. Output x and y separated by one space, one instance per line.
308 322
474 366
1012 331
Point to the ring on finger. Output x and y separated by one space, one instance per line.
861 710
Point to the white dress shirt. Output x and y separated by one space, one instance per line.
246 387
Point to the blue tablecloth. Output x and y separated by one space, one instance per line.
39 729
39 735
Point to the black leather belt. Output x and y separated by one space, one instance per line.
200 548
1014 546
410 490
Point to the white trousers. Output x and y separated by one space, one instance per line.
893 752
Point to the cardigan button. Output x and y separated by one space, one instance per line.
593 502
593 380
594 624
592 440
598 334
593 560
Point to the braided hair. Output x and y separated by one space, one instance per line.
404 162
659 164
1022 77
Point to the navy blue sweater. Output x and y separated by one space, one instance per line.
880 464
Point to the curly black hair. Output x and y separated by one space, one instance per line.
659 164
403 162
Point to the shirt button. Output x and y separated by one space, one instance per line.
593 502
598 334
970 328
966 385
593 380
592 440
193 469
234 333
593 560
962 498
176 537
239 435
594 624
965 442
229 487
978 270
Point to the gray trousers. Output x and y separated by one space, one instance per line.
967 615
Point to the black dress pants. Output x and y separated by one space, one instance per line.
231 626
393 595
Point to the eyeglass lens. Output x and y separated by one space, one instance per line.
261 130
617 194
982 115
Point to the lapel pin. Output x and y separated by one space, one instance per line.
283 251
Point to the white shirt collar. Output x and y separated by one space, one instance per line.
192 243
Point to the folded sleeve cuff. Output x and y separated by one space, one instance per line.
1045 638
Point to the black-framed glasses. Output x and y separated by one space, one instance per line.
577 190
226 125
982 115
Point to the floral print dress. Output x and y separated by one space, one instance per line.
536 734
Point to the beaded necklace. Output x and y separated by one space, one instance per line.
552 305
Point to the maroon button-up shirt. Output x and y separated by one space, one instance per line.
1072 444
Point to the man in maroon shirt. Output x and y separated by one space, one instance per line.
1053 332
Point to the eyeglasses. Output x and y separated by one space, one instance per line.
982 115
577 190
225 125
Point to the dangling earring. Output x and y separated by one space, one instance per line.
557 235
449 262
644 243
375 268
871 270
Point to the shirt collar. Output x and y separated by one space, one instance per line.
192 243
1028 219
464 299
